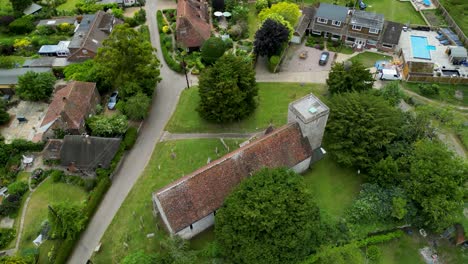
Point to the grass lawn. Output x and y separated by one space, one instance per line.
369 58
334 187
135 217
434 19
252 21
446 93
393 10
457 10
343 49
69 5
273 103
403 250
23 176
48 193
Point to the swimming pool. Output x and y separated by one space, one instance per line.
427 2
420 47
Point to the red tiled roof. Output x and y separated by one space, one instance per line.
73 102
198 194
197 30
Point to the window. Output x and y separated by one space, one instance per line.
357 28
373 31
191 227
315 32
322 20
387 45
336 23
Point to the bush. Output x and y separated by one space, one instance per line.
57 175
22 25
6 20
6 236
105 126
140 16
10 205
229 43
131 21
45 30
160 20
96 195
212 49
273 62
18 188
130 137
136 107
374 254
429 89
173 65
260 5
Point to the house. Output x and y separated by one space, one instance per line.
308 13
192 23
188 205
32 9
91 32
54 22
59 50
364 29
69 108
9 77
330 21
390 37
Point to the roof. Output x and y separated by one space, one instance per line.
198 194
191 30
392 32
304 21
367 19
52 149
33 8
458 52
62 46
88 152
46 62
56 21
333 12
10 76
71 102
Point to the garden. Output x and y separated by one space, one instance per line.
368 59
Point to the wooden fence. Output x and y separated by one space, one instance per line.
435 79
451 22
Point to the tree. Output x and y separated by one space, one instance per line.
138 257
212 49
270 38
127 57
4 115
34 86
136 107
289 11
20 5
105 126
349 77
227 90
385 172
360 126
436 181
269 218
67 219
392 93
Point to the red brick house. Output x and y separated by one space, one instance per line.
193 23
188 205
69 108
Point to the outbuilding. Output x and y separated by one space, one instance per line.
457 54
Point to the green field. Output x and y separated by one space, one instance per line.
36 213
273 102
446 93
69 5
457 10
368 59
135 217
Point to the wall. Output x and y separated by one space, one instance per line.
313 130
302 166
197 227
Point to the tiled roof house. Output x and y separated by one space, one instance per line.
68 110
193 23
188 205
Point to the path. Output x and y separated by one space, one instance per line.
169 136
427 100
135 161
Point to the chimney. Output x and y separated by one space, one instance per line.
64 98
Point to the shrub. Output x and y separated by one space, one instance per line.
22 25
160 20
260 5
273 62
374 254
96 195
6 20
66 28
212 49
429 89
131 21
18 188
45 30
140 16
57 175
130 137
106 126
6 236
173 65
229 43
10 205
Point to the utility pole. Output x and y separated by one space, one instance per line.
185 71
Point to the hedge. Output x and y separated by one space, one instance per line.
130 137
173 64
160 20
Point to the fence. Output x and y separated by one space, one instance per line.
434 79
451 22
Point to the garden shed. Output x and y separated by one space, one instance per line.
457 54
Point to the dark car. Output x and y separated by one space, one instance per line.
113 100
324 58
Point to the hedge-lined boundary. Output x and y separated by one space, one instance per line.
173 65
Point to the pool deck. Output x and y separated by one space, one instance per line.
438 55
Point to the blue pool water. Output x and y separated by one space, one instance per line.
427 2
420 48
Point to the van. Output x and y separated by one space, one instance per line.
389 74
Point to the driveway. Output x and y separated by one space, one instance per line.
133 164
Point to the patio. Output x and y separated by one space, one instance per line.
33 112
292 62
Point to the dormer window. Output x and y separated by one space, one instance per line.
373 31
357 28
336 23
322 20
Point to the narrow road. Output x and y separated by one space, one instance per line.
164 102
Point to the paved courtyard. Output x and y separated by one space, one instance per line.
34 112
293 63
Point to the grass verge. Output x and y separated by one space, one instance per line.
273 99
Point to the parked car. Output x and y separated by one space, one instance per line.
389 74
324 58
113 99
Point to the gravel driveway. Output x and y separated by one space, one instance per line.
292 62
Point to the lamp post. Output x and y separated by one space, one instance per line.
183 64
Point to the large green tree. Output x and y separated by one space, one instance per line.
436 182
127 60
107 126
359 128
269 218
34 86
136 107
349 77
227 89
67 219
20 5
270 38
289 11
